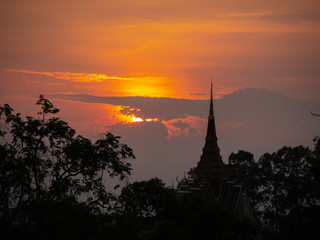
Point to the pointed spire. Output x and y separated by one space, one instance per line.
211 103
211 167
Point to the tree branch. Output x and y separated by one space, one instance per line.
315 114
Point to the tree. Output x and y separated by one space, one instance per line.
45 162
283 188
316 159
150 210
149 199
286 183
242 168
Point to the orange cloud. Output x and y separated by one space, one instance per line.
185 126
125 114
191 126
59 84
152 86
76 77
224 126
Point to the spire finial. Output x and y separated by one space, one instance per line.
211 102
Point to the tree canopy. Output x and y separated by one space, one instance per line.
150 210
147 199
43 161
283 188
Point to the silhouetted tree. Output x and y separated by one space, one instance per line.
150 210
283 188
42 161
242 168
149 199
316 159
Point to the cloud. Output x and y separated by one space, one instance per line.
181 117
225 127
188 126
292 17
129 110
275 15
93 82
149 107
76 77
198 94
57 84
249 112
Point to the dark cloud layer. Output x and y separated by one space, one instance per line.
165 108
255 120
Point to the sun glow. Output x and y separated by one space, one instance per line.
146 86
152 119
133 119
136 119
126 114
141 85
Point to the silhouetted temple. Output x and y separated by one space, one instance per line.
211 168
211 176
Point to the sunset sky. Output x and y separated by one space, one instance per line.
162 49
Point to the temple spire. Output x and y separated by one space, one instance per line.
211 131
211 102
211 167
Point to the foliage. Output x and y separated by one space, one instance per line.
316 160
146 199
153 211
242 168
283 188
45 162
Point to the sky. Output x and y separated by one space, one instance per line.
160 50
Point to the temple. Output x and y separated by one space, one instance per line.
210 168
210 177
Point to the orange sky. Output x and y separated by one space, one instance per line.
160 48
